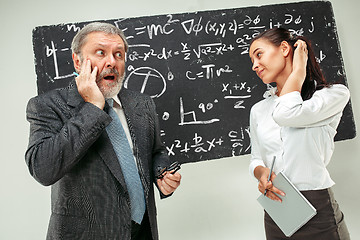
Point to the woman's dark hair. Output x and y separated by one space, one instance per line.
314 79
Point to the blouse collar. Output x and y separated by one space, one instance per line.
271 92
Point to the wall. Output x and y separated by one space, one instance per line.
217 199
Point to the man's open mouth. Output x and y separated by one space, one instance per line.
109 77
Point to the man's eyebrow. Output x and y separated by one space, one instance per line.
119 46
99 45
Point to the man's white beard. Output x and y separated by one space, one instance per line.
110 92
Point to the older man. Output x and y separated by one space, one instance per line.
98 145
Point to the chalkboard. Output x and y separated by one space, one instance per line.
197 69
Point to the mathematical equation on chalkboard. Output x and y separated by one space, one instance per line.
244 31
248 28
196 68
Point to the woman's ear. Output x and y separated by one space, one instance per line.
285 48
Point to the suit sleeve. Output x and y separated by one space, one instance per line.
58 140
160 155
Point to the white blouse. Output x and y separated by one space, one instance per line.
299 133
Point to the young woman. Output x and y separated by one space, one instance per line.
296 123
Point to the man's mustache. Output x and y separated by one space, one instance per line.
108 71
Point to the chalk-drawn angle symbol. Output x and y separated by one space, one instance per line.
191 115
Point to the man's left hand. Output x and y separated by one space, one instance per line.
169 183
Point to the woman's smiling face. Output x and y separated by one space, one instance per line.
268 60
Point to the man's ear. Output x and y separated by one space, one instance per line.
77 62
285 48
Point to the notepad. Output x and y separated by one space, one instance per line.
294 211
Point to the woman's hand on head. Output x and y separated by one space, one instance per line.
300 58
298 74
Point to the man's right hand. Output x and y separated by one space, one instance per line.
87 87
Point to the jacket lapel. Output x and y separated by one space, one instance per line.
103 145
134 111
106 151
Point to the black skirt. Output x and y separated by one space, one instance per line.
327 224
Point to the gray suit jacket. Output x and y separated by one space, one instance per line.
70 150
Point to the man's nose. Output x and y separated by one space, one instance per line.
110 61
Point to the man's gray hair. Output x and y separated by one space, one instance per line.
80 38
